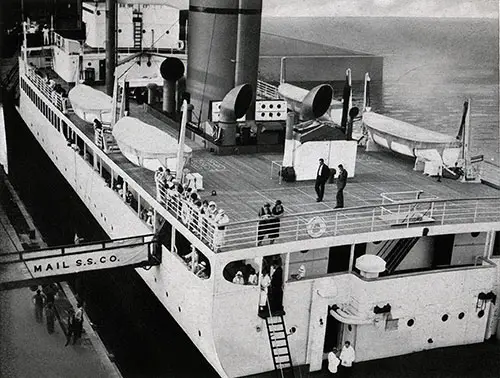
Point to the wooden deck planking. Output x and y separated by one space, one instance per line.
243 182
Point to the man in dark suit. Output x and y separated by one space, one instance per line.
321 178
275 294
341 183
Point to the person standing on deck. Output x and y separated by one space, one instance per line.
274 223
78 322
50 317
333 361
39 301
45 32
71 327
321 178
341 183
160 184
347 357
276 292
265 282
265 216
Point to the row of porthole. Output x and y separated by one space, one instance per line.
180 310
445 317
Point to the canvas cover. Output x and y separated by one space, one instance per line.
89 99
136 138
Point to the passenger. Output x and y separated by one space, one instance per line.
333 361
301 273
71 327
149 217
265 282
160 185
200 269
238 278
252 276
168 176
204 207
274 223
221 219
212 210
276 291
263 228
78 322
347 357
191 258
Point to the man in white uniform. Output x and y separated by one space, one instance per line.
333 361
347 357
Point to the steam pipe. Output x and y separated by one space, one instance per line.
110 45
288 154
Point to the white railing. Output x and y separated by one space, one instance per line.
266 90
364 219
43 86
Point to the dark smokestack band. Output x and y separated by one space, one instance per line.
194 8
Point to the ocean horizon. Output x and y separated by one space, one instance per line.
431 66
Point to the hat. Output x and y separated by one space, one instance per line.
203 263
278 202
211 203
175 181
221 211
267 204
239 273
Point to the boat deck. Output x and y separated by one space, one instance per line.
243 183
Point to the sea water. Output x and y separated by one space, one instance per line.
431 66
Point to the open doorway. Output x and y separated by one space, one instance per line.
333 333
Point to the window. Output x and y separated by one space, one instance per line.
242 272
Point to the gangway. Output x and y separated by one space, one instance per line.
35 267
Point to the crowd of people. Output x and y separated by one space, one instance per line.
202 217
44 301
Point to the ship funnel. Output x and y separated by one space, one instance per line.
171 69
234 105
308 104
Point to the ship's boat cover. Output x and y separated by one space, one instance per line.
144 144
88 98
89 103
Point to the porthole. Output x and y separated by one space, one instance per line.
166 294
98 13
430 341
119 30
180 310
474 234
480 314
444 317
461 315
199 333
89 64
410 323
271 106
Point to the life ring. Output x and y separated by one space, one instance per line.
316 227
185 213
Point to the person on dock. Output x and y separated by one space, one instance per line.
274 223
347 357
333 361
321 178
50 315
71 324
39 301
78 322
341 183
265 216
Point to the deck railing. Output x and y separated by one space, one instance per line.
43 86
267 91
364 219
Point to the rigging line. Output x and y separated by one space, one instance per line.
206 69
165 32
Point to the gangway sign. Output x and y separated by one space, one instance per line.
29 267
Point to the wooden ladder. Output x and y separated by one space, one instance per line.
280 349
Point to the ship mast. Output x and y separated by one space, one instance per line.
110 45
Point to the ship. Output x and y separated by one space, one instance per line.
409 263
